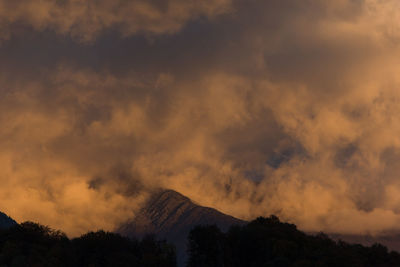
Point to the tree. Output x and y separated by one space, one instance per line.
269 242
206 247
32 244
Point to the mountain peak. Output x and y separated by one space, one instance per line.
171 215
170 194
166 200
168 212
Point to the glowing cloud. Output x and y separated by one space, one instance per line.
286 107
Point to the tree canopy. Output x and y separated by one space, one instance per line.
269 242
31 244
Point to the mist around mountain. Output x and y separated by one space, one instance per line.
171 216
171 230
390 240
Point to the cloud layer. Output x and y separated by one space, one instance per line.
281 107
84 20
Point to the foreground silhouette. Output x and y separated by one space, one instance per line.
31 244
268 242
262 242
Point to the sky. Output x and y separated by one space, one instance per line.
251 107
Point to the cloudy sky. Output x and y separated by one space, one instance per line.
252 107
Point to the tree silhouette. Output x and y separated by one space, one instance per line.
269 242
32 244
206 247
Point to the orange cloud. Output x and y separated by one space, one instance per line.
277 107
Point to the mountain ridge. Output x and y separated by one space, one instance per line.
6 221
168 209
171 215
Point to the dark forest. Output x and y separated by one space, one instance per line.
262 242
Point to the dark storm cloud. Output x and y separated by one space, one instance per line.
286 107
84 20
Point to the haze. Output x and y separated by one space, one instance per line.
251 107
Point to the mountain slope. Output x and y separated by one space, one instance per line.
6 221
170 215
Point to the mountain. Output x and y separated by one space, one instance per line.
5 221
170 215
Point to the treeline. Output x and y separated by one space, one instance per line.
268 242
34 245
262 242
